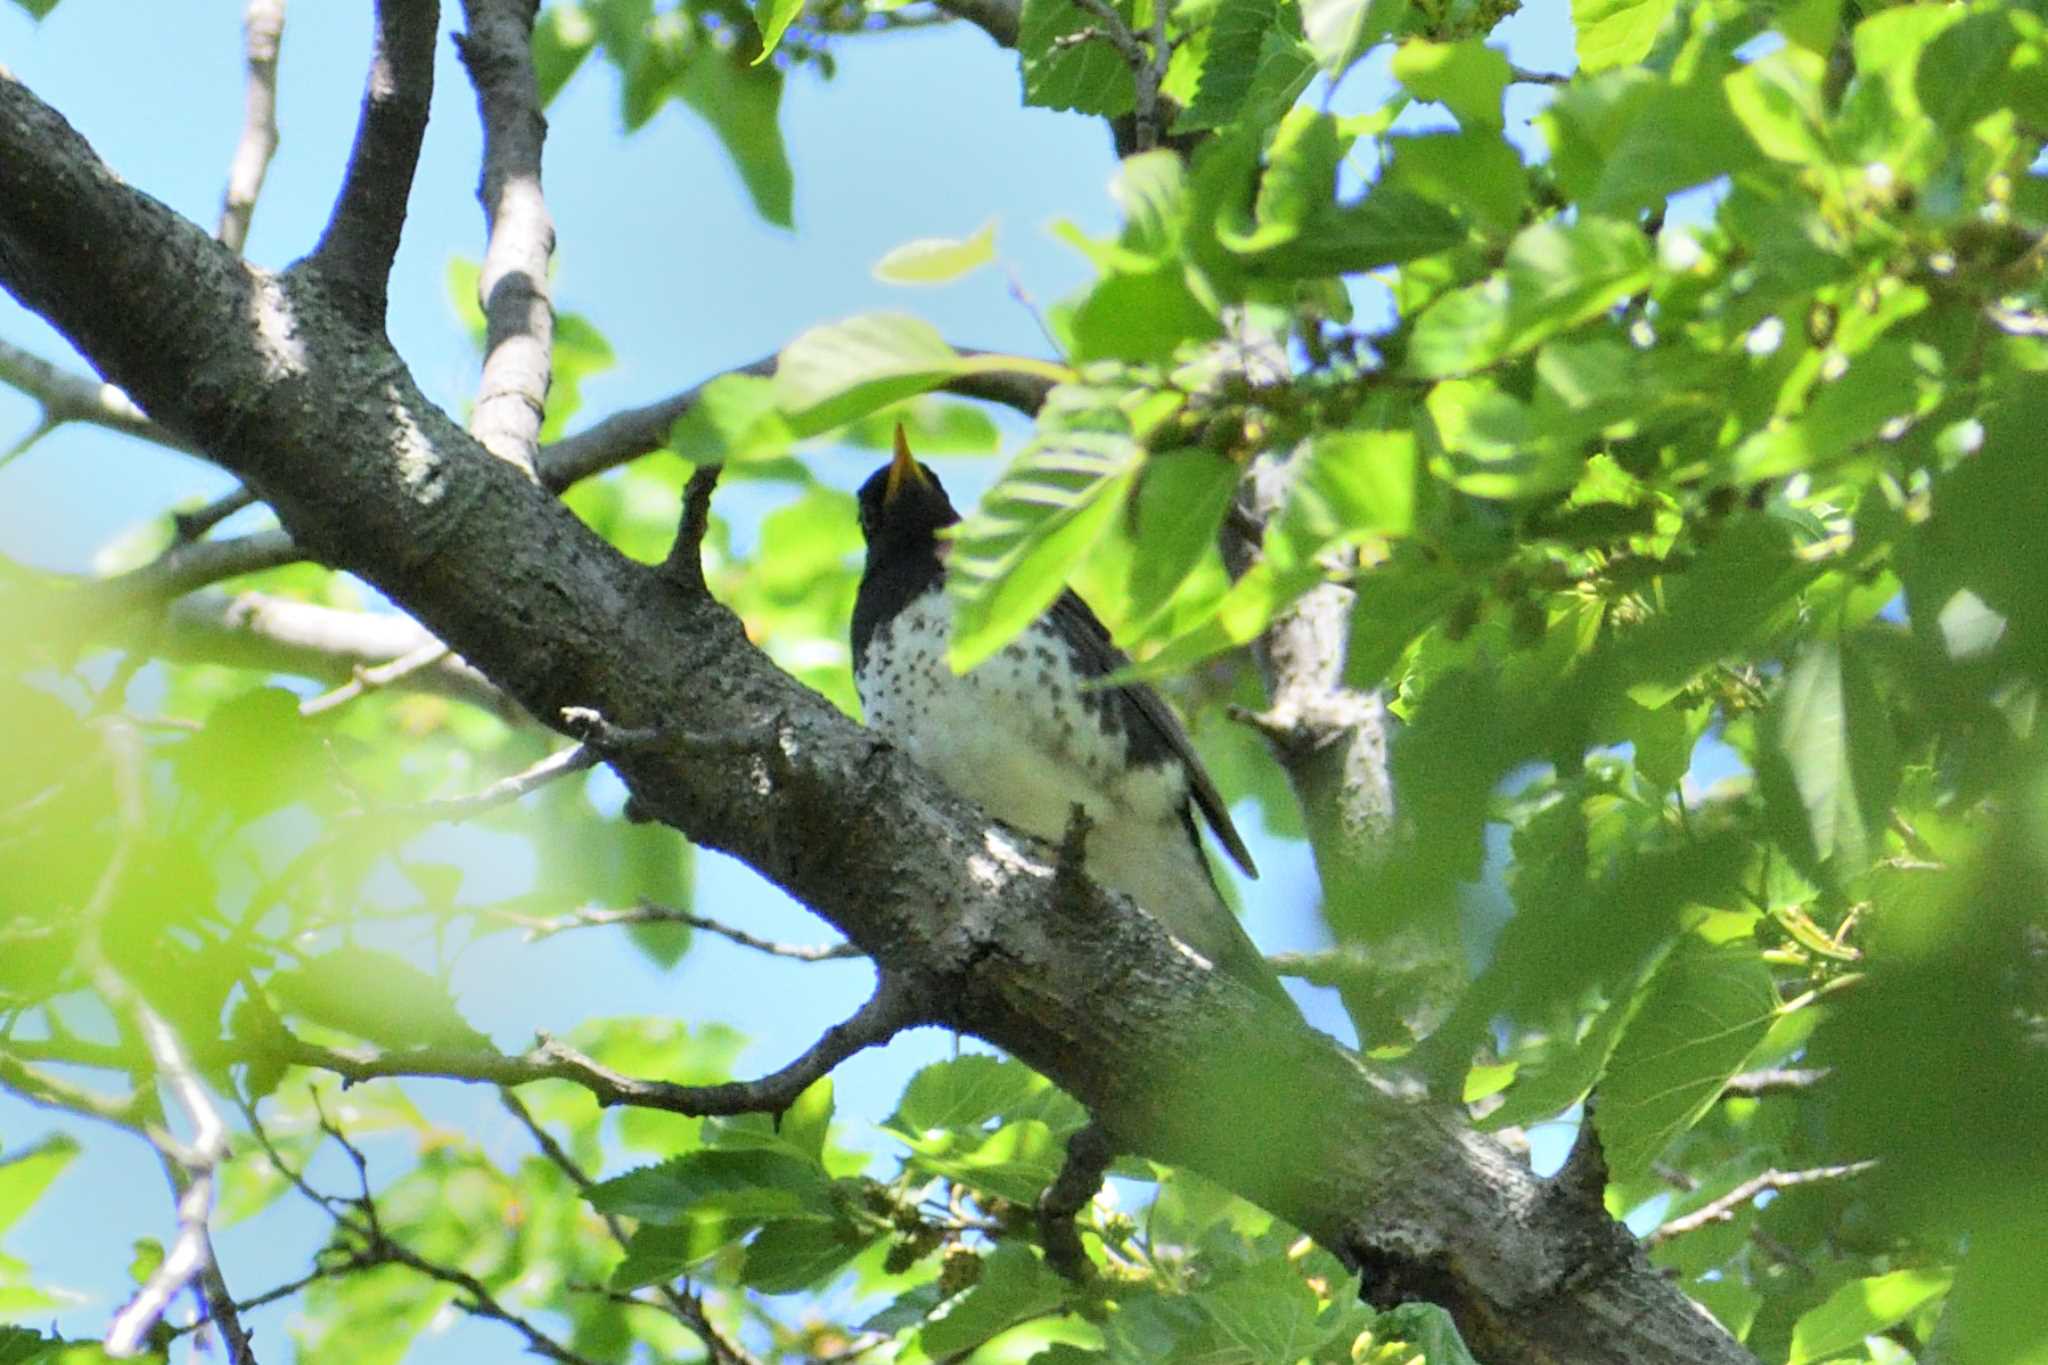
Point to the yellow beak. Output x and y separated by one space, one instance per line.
903 469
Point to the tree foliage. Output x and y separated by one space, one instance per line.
1678 471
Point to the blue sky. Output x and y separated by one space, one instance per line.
919 134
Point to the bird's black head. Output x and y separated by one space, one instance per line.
903 505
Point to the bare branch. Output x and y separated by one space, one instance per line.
595 917
1725 1208
196 523
67 397
891 1009
372 679
635 432
185 567
685 562
362 233
275 634
504 791
519 320
263 32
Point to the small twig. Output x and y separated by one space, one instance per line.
893 1008
685 562
648 913
1089 1154
1724 1208
370 679
1524 76
190 526
263 32
1146 68
184 567
504 791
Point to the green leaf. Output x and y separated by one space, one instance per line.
841 371
1557 275
37 9
741 1187
375 995
26 1174
736 418
1428 1329
742 104
963 1093
1701 1016
799 1130
1466 77
1961 76
1386 227
1140 317
1862 1308
773 18
1237 35
1268 1312
1617 32
563 36
1341 31
788 1256
1477 173
255 755
1012 555
1087 77
1626 139
1014 1286
1778 99
1831 730
657 1253
1365 478
1016 1162
1181 501
1884 382
938 260
20 1346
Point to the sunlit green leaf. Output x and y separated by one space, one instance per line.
1862 1308
1617 32
1087 76
25 1174
773 18
1015 1285
938 260
1467 77
1700 1017
375 995
1557 276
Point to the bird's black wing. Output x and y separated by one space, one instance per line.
1155 731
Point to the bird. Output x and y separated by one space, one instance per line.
1025 737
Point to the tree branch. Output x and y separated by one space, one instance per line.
893 1008
519 320
593 917
66 397
355 251
1725 1208
263 33
372 478
999 19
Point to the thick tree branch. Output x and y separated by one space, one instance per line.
356 250
1331 740
519 319
262 34
1182 1063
